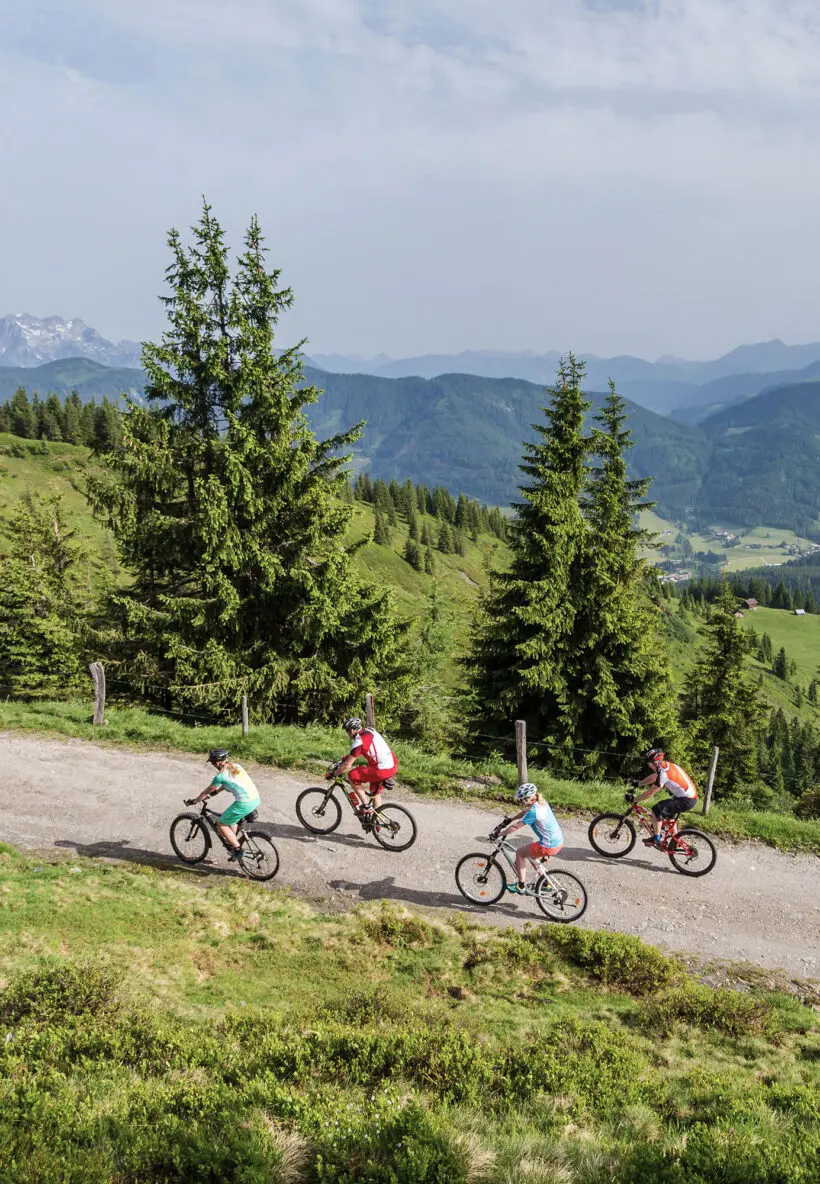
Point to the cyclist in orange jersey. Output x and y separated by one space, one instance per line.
680 786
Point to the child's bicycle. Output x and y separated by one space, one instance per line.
690 851
191 839
319 811
482 880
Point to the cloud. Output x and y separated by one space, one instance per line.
422 166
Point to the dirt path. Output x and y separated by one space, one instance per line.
758 905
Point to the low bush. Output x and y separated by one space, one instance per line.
399 928
722 1010
616 959
808 804
55 990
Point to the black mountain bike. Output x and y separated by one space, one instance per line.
191 840
319 811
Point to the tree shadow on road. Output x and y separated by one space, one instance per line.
586 855
285 830
387 889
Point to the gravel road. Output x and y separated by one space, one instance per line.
758 905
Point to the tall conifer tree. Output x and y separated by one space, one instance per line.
521 648
226 508
622 699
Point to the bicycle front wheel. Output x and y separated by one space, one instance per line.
612 835
318 811
694 852
260 859
190 838
480 878
561 896
394 828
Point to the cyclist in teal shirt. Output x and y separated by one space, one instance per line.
235 780
549 838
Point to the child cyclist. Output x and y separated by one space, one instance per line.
236 781
549 838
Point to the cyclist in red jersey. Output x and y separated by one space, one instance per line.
369 779
680 786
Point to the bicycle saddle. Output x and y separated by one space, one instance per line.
252 817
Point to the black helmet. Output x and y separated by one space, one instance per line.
217 755
654 756
354 724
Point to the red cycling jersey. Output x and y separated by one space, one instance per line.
372 745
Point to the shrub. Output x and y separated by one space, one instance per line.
808 805
54 991
726 1011
616 959
402 930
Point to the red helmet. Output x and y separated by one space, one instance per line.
655 756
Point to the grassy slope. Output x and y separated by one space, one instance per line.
313 747
257 1040
799 635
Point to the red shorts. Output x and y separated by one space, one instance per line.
367 774
537 851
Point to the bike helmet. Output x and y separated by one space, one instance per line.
354 724
217 755
654 756
526 792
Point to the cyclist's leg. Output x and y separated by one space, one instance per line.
364 779
229 820
374 791
668 808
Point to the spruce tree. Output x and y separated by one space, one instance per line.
413 555
621 698
721 706
21 415
381 533
43 601
226 508
780 665
521 651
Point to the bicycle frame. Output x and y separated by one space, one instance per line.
338 783
505 848
669 826
212 818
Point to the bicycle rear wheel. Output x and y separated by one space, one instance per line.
394 828
318 811
612 835
260 859
480 878
694 853
190 838
561 896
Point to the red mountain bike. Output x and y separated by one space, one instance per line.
690 851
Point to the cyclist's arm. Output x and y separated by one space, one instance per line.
209 792
515 822
346 764
652 782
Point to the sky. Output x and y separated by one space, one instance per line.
610 176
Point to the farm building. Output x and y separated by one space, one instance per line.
800 612
751 603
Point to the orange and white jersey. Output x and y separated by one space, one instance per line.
676 781
371 744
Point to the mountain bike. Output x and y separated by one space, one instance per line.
481 879
690 851
319 811
191 840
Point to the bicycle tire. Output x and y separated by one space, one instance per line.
606 821
384 833
308 816
679 860
197 827
561 896
469 870
251 860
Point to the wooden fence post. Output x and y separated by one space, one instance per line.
244 715
710 781
370 710
521 749
98 674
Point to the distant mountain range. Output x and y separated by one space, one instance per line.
753 463
689 391
30 341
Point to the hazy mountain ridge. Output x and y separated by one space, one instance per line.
755 462
28 341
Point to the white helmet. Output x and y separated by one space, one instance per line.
526 792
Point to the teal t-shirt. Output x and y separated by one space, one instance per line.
239 784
